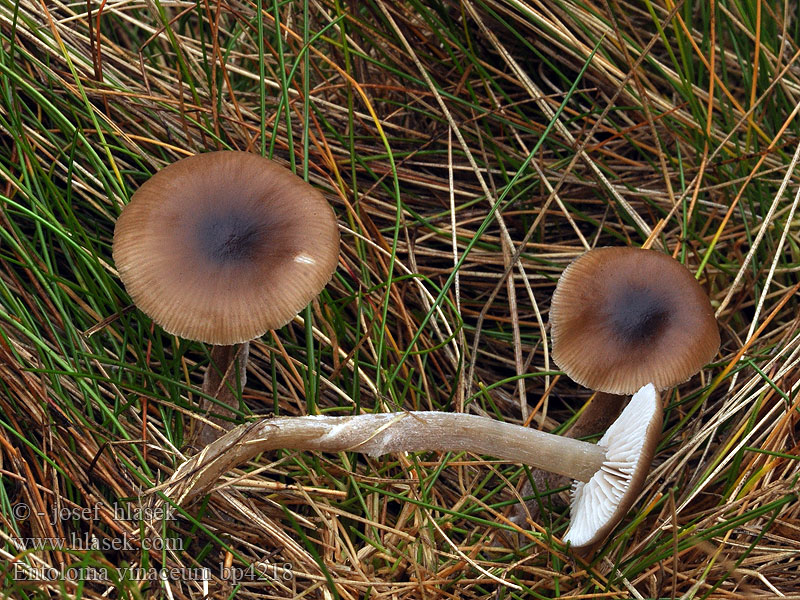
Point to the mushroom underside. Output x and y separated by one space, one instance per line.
630 442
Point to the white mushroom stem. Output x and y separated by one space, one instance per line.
383 433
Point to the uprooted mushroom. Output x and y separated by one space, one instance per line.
609 474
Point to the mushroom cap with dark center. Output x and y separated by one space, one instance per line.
623 317
223 246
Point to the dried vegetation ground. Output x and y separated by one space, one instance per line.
471 150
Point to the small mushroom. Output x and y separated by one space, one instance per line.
222 247
622 317
612 471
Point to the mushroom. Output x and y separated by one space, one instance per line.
611 472
222 247
622 317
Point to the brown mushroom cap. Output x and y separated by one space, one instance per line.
223 246
623 317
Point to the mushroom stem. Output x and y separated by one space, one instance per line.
602 411
224 379
382 433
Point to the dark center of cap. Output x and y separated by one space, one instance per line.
228 237
638 316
